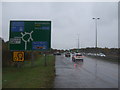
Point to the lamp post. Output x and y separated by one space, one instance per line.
96 42
78 44
96 33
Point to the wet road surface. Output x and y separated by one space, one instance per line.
91 73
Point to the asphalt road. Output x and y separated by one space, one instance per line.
91 73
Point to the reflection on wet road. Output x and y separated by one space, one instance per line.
91 73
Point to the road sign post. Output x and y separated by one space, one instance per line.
32 59
45 55
45 64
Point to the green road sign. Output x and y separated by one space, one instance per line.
30 35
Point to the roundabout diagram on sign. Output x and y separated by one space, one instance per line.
26 37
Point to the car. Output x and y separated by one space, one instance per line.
77 57
101 55
57 53
67 55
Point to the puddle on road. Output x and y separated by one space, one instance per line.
78 64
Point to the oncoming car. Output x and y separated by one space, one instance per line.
77 57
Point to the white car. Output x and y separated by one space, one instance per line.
101 54
77 56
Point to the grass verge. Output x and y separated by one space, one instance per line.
39 76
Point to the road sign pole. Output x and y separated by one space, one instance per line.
32 59
45 63
18 64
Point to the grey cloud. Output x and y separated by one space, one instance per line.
68 20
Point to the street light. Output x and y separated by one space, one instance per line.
96 31
96 42
78 44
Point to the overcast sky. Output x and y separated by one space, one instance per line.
68 20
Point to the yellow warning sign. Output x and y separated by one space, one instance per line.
18 56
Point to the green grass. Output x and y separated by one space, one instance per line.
39 76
